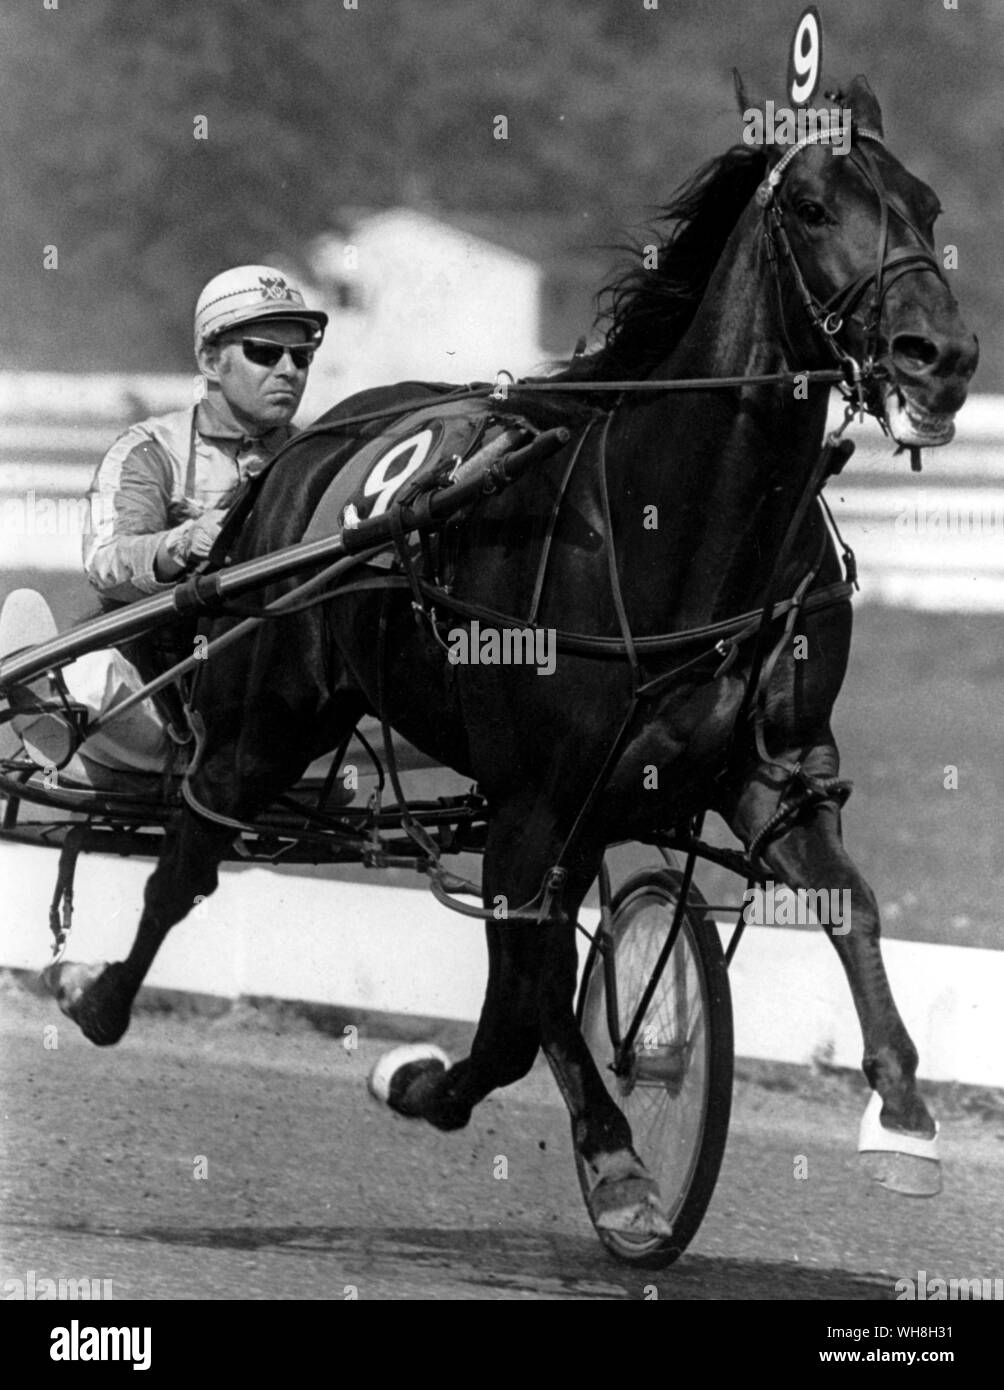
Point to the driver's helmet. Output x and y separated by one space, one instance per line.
247 294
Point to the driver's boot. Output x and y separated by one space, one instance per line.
46 735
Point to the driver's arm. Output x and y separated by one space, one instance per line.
130 522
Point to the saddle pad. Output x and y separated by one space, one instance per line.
404 460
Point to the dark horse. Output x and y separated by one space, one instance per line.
745 285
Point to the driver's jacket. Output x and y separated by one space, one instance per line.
156 480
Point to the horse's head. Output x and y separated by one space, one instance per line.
850 232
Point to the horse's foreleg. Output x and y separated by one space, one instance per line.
812 857
624 1196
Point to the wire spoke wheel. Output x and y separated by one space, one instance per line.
674 1085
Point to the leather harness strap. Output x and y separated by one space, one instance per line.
552 523
722 635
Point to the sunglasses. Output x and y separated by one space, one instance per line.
263 352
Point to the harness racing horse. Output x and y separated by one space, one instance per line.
778 261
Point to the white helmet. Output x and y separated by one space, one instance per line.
249 293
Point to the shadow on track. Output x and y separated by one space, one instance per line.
519 1262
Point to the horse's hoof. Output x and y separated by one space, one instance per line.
629 1206
627 1200
398 1077
92 996
904 1163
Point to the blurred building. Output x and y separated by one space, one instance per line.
433 298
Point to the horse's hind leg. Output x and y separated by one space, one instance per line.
99 998
235 782
812 856
529 1004
521 957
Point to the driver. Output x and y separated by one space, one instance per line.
158 500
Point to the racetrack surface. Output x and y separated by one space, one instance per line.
313 1191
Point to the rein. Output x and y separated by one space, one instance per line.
500 388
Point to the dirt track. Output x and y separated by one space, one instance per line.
311 1188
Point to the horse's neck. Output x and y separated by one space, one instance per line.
724 468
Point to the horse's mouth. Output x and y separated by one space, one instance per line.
912 425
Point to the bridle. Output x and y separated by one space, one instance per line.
846 304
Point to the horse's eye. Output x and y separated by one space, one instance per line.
812 214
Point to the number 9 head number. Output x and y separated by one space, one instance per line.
805 58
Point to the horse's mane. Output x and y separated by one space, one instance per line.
647 311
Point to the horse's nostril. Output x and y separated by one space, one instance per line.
912 348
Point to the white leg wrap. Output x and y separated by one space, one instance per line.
383 1073
875 1138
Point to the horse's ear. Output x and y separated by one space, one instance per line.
864 104
752 112
742 96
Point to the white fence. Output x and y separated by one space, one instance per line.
371 949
